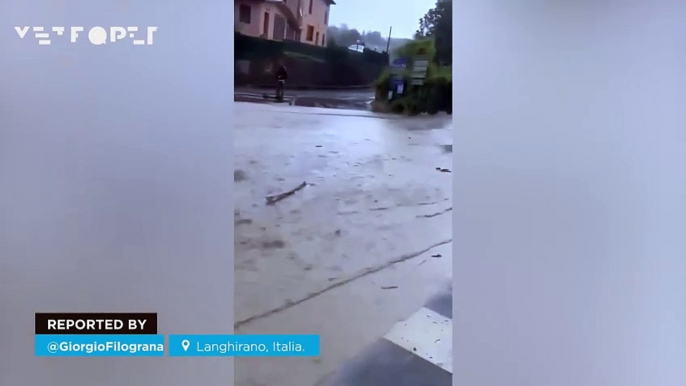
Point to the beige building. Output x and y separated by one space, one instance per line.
305 21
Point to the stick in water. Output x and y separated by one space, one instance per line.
271 200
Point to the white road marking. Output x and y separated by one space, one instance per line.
428 335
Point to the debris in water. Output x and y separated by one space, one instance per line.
271 200
239 175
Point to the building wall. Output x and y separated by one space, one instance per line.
316 19
294 5
256 26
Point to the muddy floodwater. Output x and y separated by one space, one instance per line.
378 190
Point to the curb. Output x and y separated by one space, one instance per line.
416 351
332 103
312 87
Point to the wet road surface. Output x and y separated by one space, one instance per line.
374 208
416 351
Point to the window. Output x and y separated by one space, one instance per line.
310 33
244 13
265 27
316 40
326 17
323 39
311 5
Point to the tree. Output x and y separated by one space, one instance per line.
427 24
438 24
343 35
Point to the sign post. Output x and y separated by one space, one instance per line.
397 83
419 70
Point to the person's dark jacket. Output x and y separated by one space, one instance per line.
281 73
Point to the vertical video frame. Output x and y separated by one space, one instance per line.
343 190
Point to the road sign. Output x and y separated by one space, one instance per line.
399 63
419 69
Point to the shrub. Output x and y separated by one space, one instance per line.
408 104
413 106
417 47
439 89
433 104
398 106
383 79
380 106
439 74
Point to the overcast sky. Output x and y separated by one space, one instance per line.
380 15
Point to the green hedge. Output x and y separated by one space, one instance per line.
248 47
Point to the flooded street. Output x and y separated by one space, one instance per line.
376 206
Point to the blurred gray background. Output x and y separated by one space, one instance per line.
570 191
115 183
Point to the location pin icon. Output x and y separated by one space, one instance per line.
185 344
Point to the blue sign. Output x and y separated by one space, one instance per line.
399 62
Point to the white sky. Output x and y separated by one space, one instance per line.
380 15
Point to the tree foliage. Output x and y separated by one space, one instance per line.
417 47
427 24
343 35
438 24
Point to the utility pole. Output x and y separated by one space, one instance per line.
388 43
